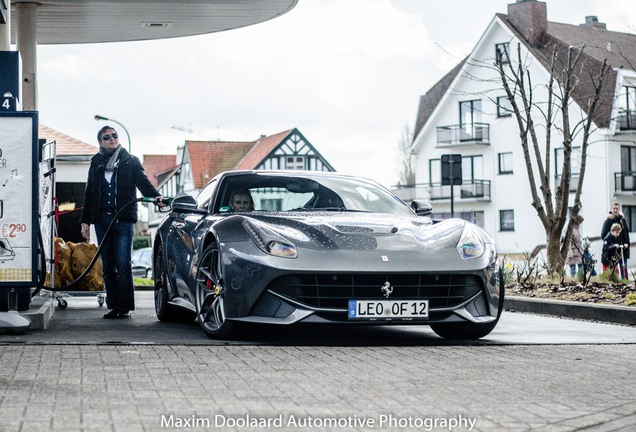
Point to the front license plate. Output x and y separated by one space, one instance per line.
388 309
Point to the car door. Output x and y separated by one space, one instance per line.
181 240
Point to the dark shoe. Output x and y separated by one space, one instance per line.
112 314
124 314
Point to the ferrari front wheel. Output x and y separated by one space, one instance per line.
467 331
210 295
471 331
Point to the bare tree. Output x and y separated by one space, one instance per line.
405 159
571 71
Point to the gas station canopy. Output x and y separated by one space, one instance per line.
36 22
91 21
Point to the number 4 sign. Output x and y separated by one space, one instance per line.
9 103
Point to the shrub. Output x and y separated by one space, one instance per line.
141 241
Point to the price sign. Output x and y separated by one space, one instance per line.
18 198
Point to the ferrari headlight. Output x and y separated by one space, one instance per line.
470 244
282 249
269 240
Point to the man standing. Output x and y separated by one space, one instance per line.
615 216
113 179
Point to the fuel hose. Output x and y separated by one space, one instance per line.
77 281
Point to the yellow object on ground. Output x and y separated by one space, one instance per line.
72 260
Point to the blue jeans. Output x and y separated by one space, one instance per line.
573 271
116 262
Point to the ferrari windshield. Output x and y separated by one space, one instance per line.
304 192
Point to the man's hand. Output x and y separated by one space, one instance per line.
160 203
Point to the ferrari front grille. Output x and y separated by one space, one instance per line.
335 290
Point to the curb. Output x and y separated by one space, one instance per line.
41 316
568 309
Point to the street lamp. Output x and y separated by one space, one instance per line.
98 117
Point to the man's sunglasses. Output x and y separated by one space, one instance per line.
107 137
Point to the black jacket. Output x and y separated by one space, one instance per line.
619 219
129 176
611 251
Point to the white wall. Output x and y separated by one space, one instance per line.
71 172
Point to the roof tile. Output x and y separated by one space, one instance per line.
65 144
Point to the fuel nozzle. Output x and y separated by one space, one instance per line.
155 201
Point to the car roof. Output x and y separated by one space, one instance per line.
293 173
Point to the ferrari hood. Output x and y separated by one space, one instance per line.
363 231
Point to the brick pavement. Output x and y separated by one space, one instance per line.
500 387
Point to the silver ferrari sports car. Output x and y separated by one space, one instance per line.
281 247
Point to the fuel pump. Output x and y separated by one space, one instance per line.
19 209
18 197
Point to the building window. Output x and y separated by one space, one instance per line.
502 53
434 171
504 107
630 98
479 218
469 112
630 216
626 119
472 168
505 163
628 159
470 125
476 217
575 166
575 161
295 163
506 220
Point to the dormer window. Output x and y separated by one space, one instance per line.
502 53
627 109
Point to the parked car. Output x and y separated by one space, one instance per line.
142 263
321 248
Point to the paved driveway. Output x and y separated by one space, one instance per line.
81 322
532 373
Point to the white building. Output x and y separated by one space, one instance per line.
466 113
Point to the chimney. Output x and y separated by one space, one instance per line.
530 18
592 21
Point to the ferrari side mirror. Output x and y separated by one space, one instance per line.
186 204
422 208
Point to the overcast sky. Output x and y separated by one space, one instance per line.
347 73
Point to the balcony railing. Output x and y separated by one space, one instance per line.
471 189
626 120
625 181
458 135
